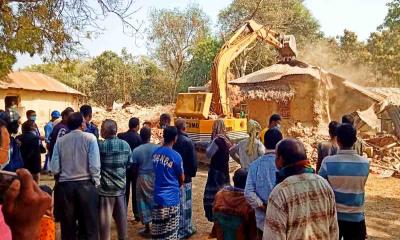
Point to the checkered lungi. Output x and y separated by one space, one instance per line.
165 223
186 228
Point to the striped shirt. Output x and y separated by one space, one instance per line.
301 207
347 172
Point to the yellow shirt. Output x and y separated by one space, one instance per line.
262 134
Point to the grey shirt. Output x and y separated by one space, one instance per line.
76 157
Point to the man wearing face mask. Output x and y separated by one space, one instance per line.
31 116
274 122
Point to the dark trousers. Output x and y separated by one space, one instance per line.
352 230
77 208
131 179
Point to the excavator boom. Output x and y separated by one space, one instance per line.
243 37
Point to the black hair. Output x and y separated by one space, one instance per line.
133 122
12 127
29 113
291 151
27 126
346 135
4 118
239 178
86 110
145 134
333 128
66 112
272 137
165 117
46 189
274 118
170 134
75 121
348 119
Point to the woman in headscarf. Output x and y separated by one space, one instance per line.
248 150
218 173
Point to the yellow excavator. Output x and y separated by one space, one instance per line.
196 107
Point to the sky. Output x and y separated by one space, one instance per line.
360 16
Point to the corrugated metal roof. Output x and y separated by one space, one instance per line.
35 81
277 71
392 95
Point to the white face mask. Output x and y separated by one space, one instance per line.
278 126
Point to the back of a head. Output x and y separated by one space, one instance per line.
239 178
274 118
109 128
86 110
134 123
272 137
170 134
75 121
348 119
27 126
291 151
65 114
165 120
145 134
346 135
180 124
333 128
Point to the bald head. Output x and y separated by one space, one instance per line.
109 128
290 151
180 124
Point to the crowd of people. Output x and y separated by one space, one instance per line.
276 192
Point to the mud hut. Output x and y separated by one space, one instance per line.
36 91
300 93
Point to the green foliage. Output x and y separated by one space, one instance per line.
173 33
197 72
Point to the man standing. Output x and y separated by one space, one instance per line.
274 122
48 128
358 145
262 179
60 129
142 160
133 139
76 161
115 158
302 205
347 173
169 177
328 148
184 146
89 127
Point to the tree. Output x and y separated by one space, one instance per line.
197 72
172 34
52 27
108 79
290 17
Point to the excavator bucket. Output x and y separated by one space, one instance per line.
289 48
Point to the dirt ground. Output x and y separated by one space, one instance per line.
382 208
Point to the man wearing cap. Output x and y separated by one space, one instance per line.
48 129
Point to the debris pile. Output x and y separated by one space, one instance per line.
122 114
384 152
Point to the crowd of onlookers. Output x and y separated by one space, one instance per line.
276 192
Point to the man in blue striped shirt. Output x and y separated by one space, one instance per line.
347 173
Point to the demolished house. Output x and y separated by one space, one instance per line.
300 93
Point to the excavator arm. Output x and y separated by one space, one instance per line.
243 37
